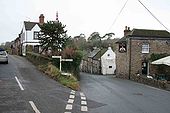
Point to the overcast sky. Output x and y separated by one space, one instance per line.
83 16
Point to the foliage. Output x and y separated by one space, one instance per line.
53 36
155 56
37 59
72 67
44 64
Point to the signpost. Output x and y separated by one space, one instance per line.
65 60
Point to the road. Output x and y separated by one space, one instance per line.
106 94
23 89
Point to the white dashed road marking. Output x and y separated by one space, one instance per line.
70 102
83 102
69 107
34 107
19 83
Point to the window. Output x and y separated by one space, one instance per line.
36 34
110 66
145 48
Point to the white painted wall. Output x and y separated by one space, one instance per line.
28 38
108 62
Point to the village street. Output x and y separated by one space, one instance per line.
23 89
115 95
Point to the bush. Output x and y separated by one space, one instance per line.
44 64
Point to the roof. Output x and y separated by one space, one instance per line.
30 25
146 33
150 33
93 53
99 54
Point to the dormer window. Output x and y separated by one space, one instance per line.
145 48
36 35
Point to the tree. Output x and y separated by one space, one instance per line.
53 36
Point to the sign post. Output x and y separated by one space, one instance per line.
67 60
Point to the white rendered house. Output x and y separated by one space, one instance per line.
29 34
108 62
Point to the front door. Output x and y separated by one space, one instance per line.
144 68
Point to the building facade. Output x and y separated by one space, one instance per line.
99 62
29 35
134 51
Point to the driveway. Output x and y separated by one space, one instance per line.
107 94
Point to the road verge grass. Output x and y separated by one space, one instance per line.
53 72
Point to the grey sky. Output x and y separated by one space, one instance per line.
82 16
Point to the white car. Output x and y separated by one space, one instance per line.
3 56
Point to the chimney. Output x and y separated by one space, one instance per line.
41 19
127 31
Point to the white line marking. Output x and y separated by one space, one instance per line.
82 95
83 102
70 101
72 96
67 112
69 107
84 108
34 107
83 98
19 83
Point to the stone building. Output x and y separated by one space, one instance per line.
134 50
99 62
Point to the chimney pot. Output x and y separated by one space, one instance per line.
41 19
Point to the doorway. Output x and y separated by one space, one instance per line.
145 68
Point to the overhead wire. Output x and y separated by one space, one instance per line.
153 15
118 15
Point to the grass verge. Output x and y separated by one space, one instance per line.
66 80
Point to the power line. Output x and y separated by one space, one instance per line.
153 15
118 15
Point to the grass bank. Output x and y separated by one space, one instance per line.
44 64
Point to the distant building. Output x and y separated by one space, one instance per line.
134 50
99 62
29 35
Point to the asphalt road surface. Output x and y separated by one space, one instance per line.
106 94
23 89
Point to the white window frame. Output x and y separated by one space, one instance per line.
145 48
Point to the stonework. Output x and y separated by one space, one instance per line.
130 63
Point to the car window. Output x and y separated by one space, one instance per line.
2 53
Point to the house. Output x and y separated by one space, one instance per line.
99 62
16 46
29 35
134 50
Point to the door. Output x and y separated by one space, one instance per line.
144 68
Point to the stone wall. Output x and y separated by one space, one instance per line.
151 82
137 57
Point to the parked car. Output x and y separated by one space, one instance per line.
3 56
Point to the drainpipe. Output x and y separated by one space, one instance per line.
129 57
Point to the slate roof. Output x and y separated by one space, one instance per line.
93 53
146 33
150 33
99 54
30 25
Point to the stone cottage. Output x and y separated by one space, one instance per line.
134 50
99 62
